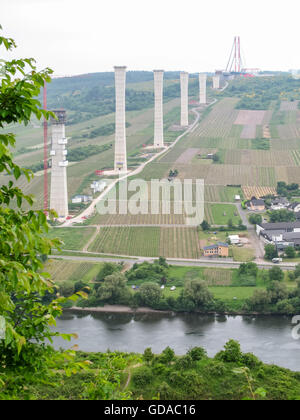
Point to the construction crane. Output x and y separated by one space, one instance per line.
235 63
46 207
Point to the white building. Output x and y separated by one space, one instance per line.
98 186
81 199
234 239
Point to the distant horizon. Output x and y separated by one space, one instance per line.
59 76
75 38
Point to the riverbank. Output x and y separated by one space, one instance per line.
119 309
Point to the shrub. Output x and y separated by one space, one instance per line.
197 353
231 354
142 376
251 361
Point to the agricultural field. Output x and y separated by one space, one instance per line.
148 242
220 194
211 276
219 214
74 238
257 192
255 148
243 254
61 271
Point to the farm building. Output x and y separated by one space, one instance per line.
295 207
283 227
279 203
81 199
98 186
234 239
218 250
256 204
280 234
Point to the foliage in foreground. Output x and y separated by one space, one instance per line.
25 317
230 375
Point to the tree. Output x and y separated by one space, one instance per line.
26 319
290 252
231 353
163 262
168 355
148 355
259 301
114 289
106 270
282 215
249 268
149 294
255 219
297 271
276 274
197 353
270 252
197 292
277 291
205 225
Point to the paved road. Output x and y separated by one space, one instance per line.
215 263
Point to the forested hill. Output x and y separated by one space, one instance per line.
91 95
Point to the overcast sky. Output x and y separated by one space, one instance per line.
83 36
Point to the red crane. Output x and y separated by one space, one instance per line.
235 58
46 207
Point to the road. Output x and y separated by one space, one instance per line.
257 243
214 263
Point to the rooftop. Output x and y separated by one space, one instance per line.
217 245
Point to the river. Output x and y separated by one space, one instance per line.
268 337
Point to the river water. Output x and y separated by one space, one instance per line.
268 337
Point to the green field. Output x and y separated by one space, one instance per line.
219 214
73 238
72 271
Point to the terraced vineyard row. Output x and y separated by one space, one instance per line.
139 219
148 242
127 241
179 243
296 156
220 194
219 122
71 270
217 277
229 174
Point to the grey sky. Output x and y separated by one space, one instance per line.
74 37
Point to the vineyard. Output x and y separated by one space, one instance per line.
219 122
219 194
148 242
258 192
71 270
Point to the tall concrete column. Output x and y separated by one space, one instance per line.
202 88
120 136
58 153
216 82
184 87
158 109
